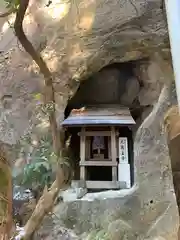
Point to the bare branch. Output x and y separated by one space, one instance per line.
44 206
49 91
46 202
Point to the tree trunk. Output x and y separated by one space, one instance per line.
46 202
49 98
5 197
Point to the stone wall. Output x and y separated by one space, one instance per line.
78 41
148 210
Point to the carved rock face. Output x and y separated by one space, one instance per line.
76 44
144 211
109 86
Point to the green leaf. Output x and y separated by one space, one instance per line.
44 164
12 3
38 171
38 96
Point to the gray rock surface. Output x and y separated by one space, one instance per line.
78 38
148 210
131 92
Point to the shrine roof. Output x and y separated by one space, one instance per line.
98 115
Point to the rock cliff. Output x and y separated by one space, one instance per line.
77 39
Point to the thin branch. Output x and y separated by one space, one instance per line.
9 12
49 91
4 198
46 201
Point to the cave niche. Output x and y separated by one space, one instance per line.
116 84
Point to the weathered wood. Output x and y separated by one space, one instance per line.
98 133
109 147
82 173
100 159
98 163
114 173
117 146
82 153
113 153
102 184
88 147
95 133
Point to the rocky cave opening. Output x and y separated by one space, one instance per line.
116 84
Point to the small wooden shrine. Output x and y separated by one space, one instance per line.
101 144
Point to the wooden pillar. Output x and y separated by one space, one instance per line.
82 153
113 153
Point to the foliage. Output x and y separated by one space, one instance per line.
39 155
98 235
38 171
12 3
